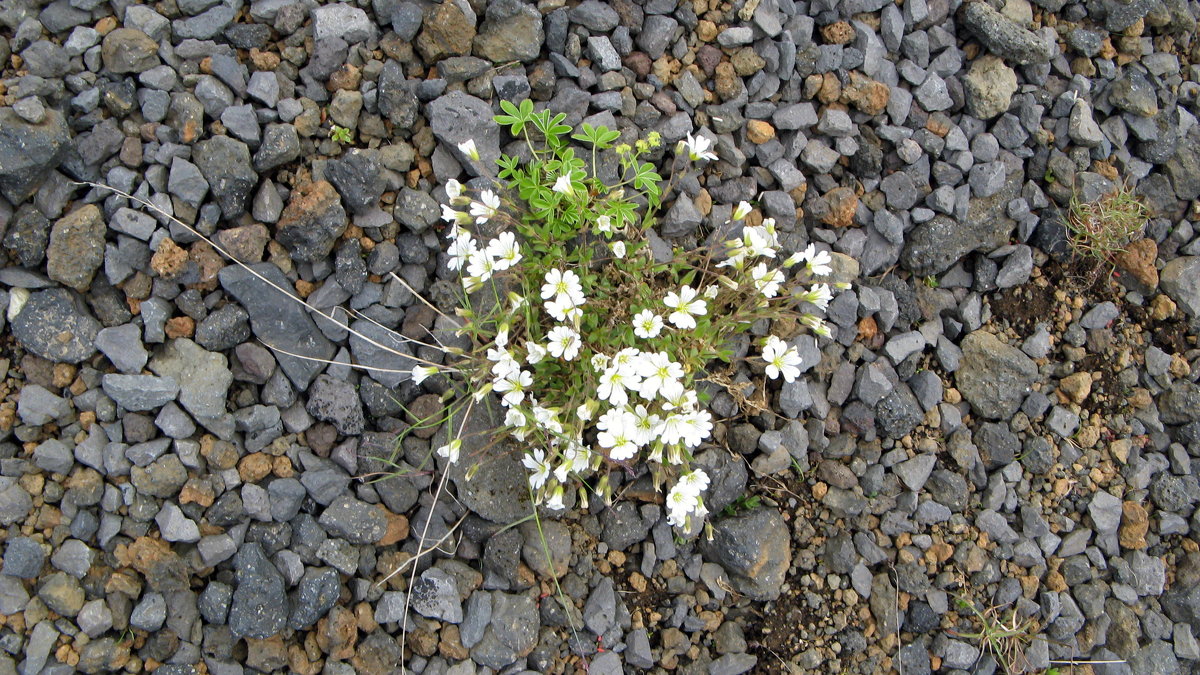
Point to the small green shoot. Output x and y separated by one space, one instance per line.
341 135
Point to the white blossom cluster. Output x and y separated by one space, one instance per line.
641 408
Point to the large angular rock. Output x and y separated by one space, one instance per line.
204 378
29 152
311 222
457 117
498 491
994 377
1003 37
358 177
55 325
446 32
1180 279
76 248
260 601
337 402
279 321
933 247
511 31
225 163
755 550
989 87
128 50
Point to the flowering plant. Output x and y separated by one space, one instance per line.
593 342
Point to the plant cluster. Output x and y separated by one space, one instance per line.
1103 228
593 344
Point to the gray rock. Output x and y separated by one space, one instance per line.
128 50
311 222
38 406
600 611
511 31
1133 93
187 182
1003 37
260 605
55 325
133 223
175 526
95 618
53 456
996 527
280 145
337 402
499 494
29 152
343 21
936 245
733 664
511 634
435 595
994 377
23 558
1082 126
76 247
140 392
358 177
682 218
13 596
225 163
37 651
1180 279
355 521
279 322
933 94
15 502
596 16
457 117
988 87
151 613
915 472
755 550
204 379
162 478
317 593
123 347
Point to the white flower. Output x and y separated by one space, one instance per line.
685 305
454 189
604 225
468 148
450 450
819 295
585 411
563 308
696 481
563 185
698 148
767 280
546 419
781 359
760 240
501 339
677 397
618 248
647 324
817 261
421 372
563 283
535 353
505 250
599 362
486 207
514 419
618 434
503 362
697 425
538 466
460 249
742 210
644 424
614 383
816 324
657 369
513 385
563 343
457 217
711 291
555 502
481 265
